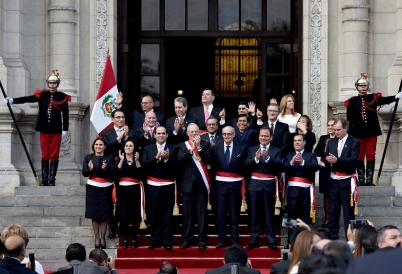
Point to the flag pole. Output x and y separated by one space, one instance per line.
20 134
388 136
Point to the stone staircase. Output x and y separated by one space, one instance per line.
54 217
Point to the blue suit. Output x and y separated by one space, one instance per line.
137 118
263 190
228 192
339 190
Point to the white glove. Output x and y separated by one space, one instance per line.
8 100
397 96
63 134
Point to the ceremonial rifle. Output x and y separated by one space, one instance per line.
20 134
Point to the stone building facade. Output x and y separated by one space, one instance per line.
339 39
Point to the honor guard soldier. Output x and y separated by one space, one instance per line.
52 103
363 125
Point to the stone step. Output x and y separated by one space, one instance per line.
50 191
28 222
62 211
28 200
366 201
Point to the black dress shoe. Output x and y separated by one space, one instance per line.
221 245
202 246
251 246
324 225
153 246
168 247
111 235
184 246
272 246
133 244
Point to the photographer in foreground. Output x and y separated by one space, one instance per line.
98 262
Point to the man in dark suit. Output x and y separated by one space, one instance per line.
98 263
227 160
194 182
264 161
13 255
176 126
202 113
118 134
115 138
145 135
300 168
213 136
245 135
384 261
280 130
137 117
235 257
159 162
247 109
341 157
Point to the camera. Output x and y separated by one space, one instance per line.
356 224
289 223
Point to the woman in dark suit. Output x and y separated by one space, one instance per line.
99 168
320 151
130 193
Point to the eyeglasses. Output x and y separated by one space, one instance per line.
119 117
227 134
145 103
193 131
271 110
241 108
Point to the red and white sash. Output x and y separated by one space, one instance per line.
303 182
162 182
336 175
232 177
126 181
200 165
262 176
99 182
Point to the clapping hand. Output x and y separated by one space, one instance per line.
104 165
165 154
90 165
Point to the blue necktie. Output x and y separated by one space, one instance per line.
227 155
212 138
262 155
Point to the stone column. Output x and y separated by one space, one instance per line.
355 43
70 151
14 166
62 43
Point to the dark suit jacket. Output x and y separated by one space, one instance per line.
12 265
226 270
307 171
90 267
247 138
251 119
181 135
198 113
189 172
384 262
141 141
280 267
236 165
273 167
310 141
160 169
136 118
281 135
217 139
112 145
348 159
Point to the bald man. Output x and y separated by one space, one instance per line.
13 255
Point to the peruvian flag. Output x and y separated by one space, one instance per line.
105 103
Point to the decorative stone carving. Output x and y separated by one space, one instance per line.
101 38
315 66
